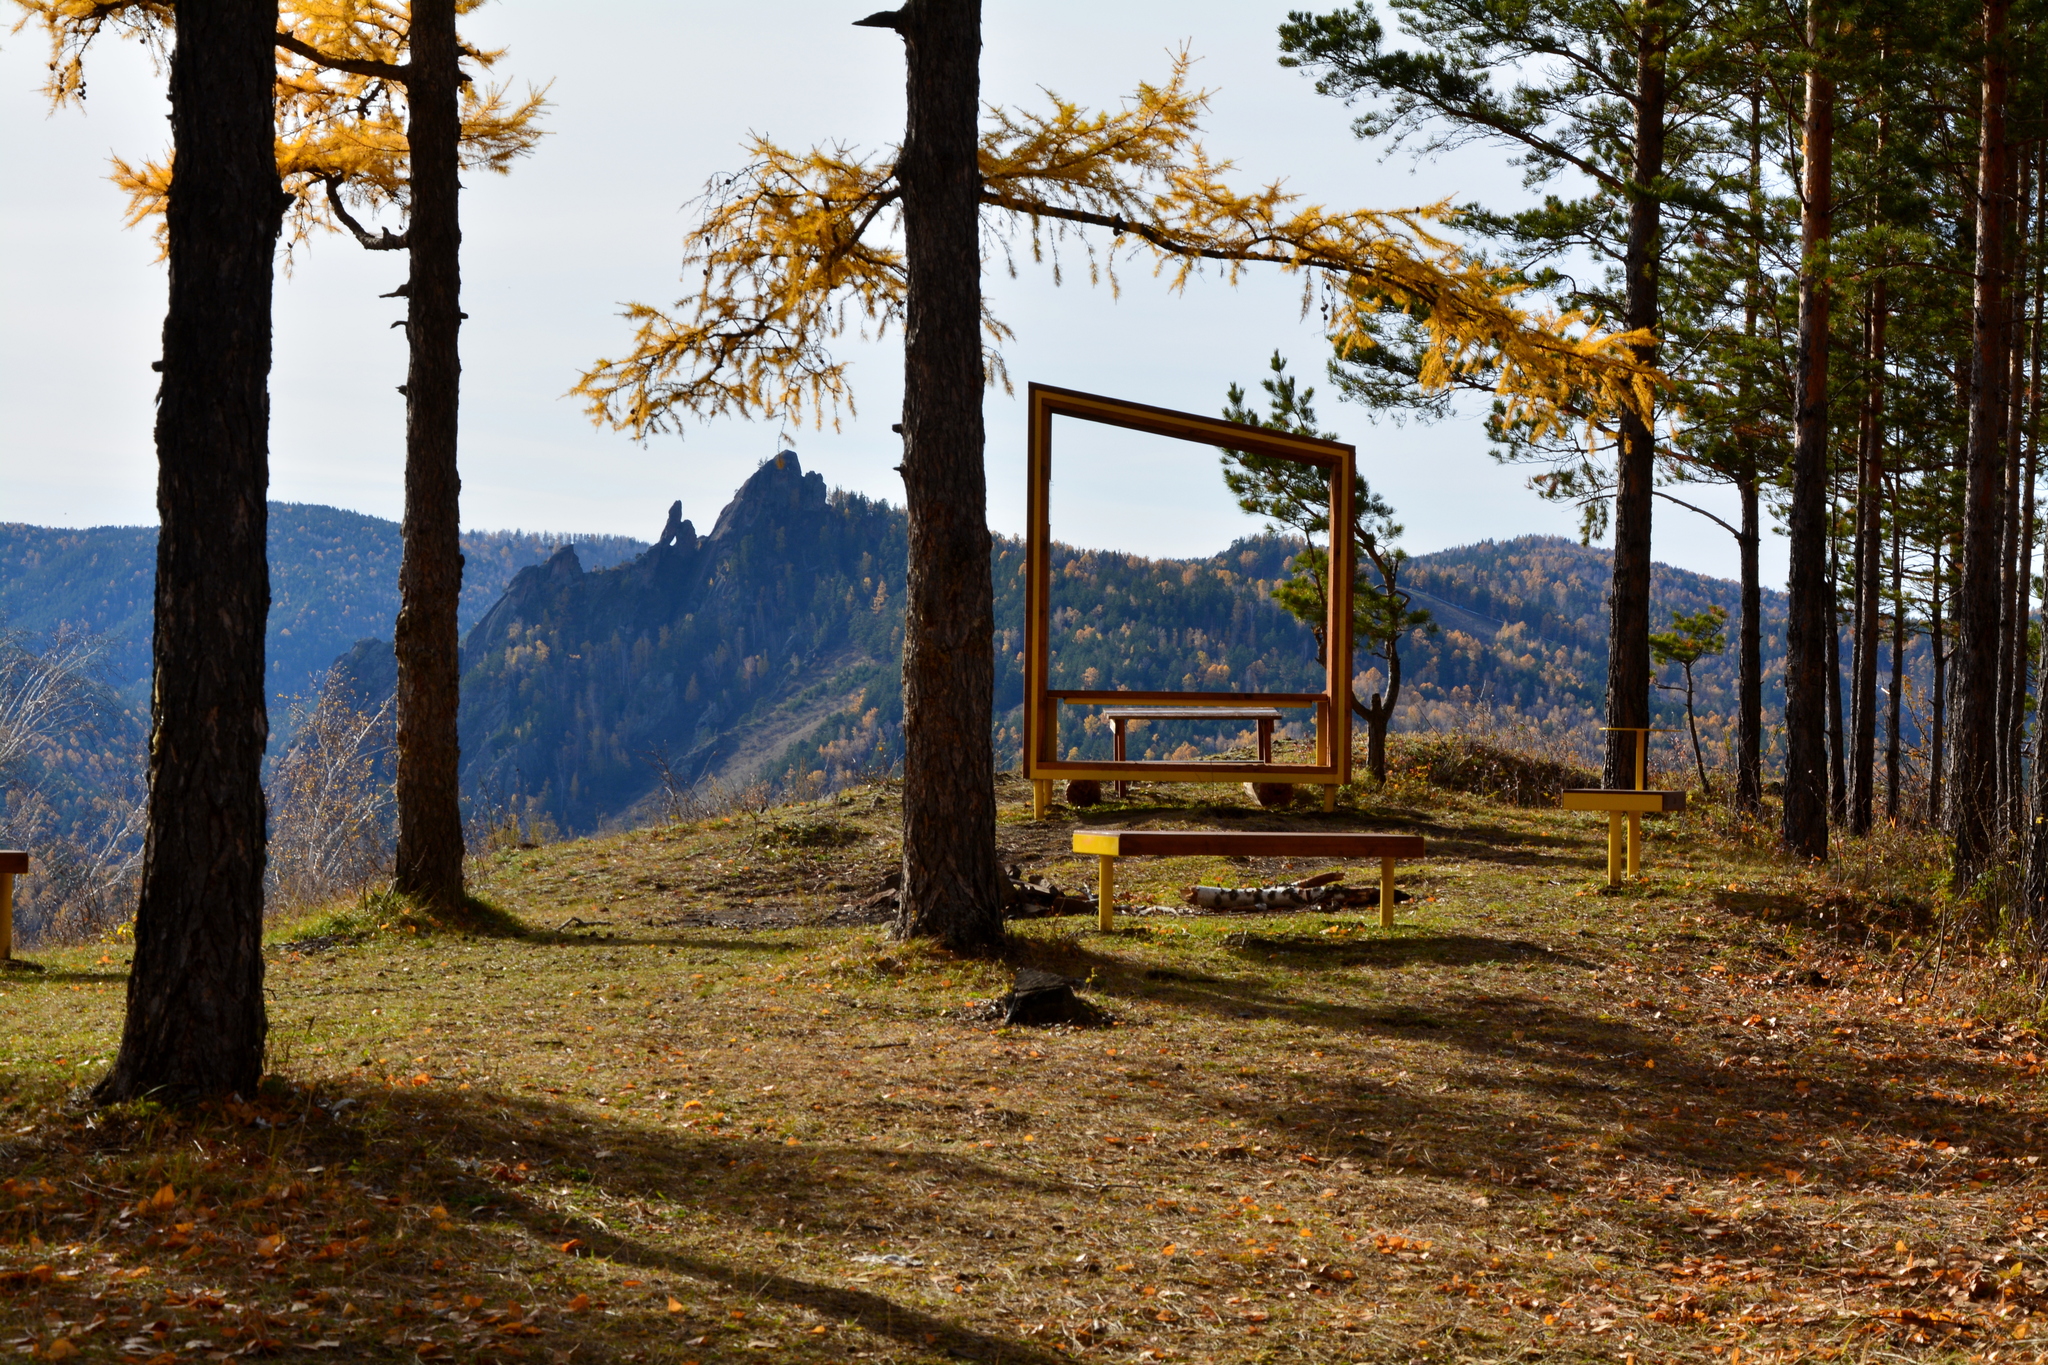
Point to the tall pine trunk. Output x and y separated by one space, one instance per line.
2020 464
195 1023
429 865
1749 766
1892 746
1805 830
1973 741
1937 757
1749 685
1628 634
1838 769
950 889
1869 571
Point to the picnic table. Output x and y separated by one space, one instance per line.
1625 804
1110 844
1121 716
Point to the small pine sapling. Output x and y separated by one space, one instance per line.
1690 639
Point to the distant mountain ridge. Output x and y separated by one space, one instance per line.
333 581
771 647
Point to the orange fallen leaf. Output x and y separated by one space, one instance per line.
675 1306
571 1246
579 1303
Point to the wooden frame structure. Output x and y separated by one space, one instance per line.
1043 765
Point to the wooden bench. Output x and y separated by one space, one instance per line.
1620 804
13 862
1110 844
1121 716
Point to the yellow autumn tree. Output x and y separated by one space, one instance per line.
374 111
342 115
798 249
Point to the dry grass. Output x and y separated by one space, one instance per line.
1697 1118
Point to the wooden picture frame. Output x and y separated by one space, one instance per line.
1043 765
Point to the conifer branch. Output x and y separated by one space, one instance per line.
385 242
383 71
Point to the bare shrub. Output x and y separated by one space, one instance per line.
71 787
332 814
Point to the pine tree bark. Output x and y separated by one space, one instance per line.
1892 745
1838 769
1939 648
1805 828
1749 702
1749 765
195 1021
1973 751
1869 570
950 889
429 864
1628 634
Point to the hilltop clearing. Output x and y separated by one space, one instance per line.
696 1111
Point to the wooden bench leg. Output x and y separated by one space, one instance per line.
6 916
1105 893
1614 854
1635 844
1386 890
1041 798
1329 798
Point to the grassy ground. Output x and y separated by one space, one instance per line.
677 1107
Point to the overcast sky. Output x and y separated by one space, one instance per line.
649 100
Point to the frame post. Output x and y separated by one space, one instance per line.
1386 893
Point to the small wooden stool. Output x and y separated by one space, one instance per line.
1619 804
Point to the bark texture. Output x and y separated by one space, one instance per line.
1973 739
1805 828
195 1022
950 884
1628 634
1869 572
429 864
1749 725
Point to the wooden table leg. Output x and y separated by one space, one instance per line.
1105 893
1266 740
1386 893
1122 788
1614 848
1041 798
1635 844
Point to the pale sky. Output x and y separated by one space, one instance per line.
650 100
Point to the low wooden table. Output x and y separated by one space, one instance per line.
1110 844
1121 716
1619 802
13 862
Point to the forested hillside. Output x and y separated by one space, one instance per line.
333 581
771 649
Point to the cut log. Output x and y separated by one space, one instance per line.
1270 795
1084 792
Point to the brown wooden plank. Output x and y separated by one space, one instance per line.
1191 713
1099 697
1264 843
13 860
1185 426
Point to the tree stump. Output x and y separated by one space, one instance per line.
1270 795
1082 792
